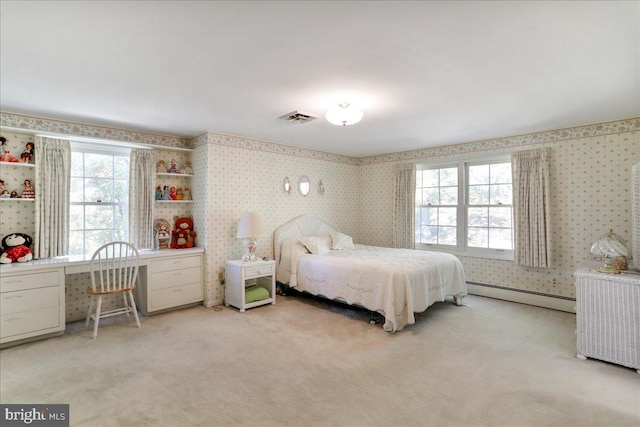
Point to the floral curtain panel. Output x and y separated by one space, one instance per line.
404 206
531 208
141 197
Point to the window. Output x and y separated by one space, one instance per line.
466 208
99 211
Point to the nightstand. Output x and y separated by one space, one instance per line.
239 276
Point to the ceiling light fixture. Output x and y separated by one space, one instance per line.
345 115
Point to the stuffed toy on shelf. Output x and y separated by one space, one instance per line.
16 248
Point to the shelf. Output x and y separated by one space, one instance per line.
15 199
174 174
23 165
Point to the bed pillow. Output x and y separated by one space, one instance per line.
341 241
316 245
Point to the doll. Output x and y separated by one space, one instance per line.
187 168
27 192
174 167
27 154
161 168
179 195
172 193
165 193
186 194
158 193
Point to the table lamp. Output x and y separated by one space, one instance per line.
611 246
250 227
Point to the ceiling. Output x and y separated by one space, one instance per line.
424 73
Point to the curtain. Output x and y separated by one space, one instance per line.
404 206
141 197
531 208
52 175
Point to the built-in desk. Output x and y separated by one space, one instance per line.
32 294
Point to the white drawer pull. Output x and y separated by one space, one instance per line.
11 319
12 296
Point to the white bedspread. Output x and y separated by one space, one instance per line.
393 282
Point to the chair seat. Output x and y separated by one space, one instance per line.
96 292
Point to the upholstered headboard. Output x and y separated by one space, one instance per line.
302 226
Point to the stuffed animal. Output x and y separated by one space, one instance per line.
183 234
162 229
16 248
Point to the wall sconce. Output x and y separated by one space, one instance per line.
320 187
287 185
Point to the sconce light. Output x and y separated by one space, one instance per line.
287 185
320 187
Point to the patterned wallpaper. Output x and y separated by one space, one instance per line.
590 170
590 193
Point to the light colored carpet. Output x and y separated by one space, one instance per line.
305 362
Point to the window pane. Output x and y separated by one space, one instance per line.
449 195
121 190
430 196
447 235
76 190
418 179
76 163
76 241
430 178
501 194
98 189
478 238
121 167
429 216
500 217
76 217
96 238
479 195
418 197
447 216
500 238
478 174
478 217
98 165
429 235
449 177
500 173
99 217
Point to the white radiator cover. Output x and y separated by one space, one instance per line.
608 317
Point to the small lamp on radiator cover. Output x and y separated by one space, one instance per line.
250 227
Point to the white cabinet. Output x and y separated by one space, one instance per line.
608 317
31 303
240 275
171 282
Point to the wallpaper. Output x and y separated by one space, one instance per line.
590 194
590 175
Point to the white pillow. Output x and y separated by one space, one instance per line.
341 241
316 245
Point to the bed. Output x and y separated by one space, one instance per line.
313 256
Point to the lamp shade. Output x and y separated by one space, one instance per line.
344 115
250 225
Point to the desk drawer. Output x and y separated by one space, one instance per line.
20 282
175 296
29 321
173 278
258 271
175 263
31 299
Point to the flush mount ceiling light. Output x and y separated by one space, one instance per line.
344 115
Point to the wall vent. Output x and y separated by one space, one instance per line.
296 117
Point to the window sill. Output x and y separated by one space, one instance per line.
506 256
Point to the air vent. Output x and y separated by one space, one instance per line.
296 117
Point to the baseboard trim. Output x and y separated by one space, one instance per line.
523 297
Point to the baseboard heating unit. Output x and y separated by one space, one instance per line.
538 299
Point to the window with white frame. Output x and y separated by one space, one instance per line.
99 203
466 208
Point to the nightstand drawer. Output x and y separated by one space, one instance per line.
175 296
173 278
257 271
175 264
29 321
30 299
29 281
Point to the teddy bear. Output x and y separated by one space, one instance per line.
183 234
162 229
16 248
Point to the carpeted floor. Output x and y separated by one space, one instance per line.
306 362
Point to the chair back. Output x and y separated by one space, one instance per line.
114 267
